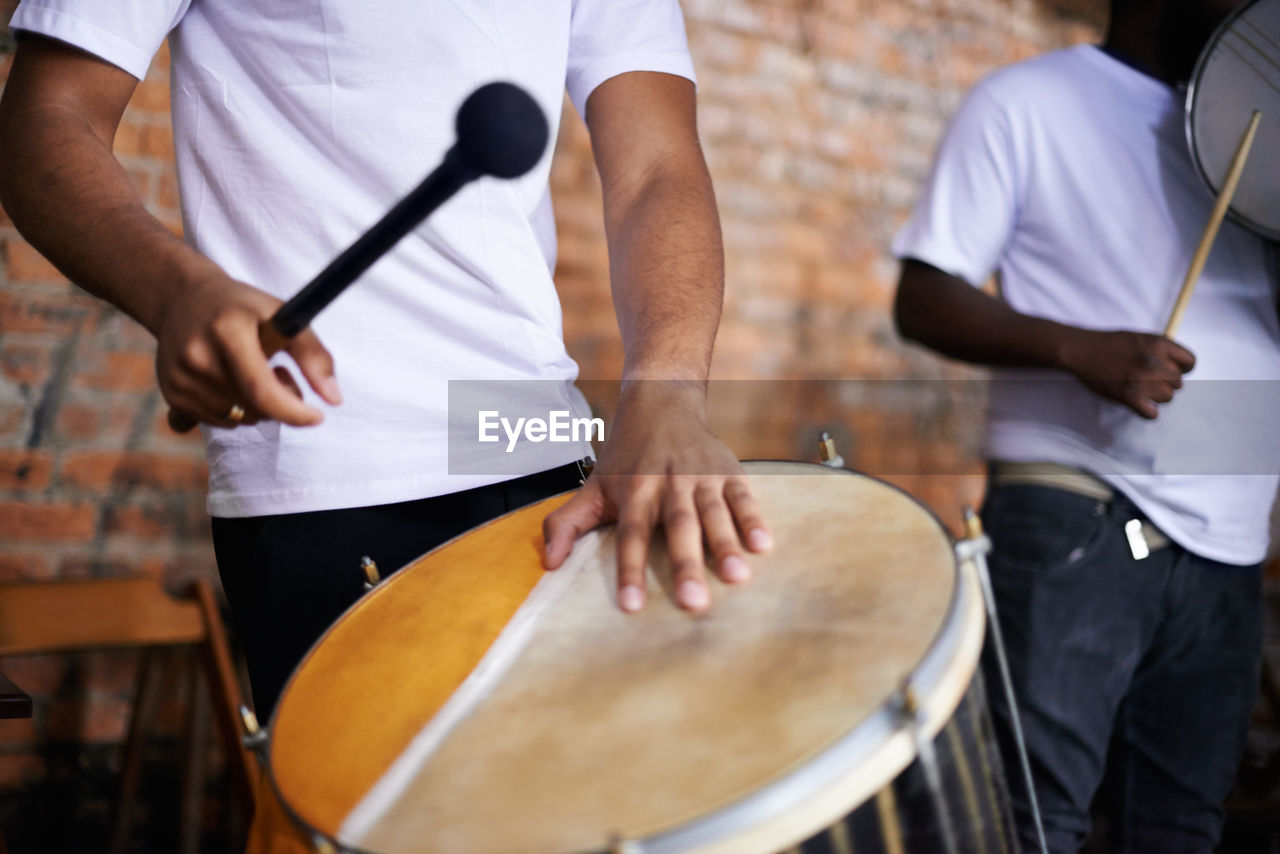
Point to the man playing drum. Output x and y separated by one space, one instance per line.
1128 514
298 125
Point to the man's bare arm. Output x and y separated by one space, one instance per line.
660 464
665 251
946 314
71 198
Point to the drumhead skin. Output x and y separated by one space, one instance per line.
473 702
1239 72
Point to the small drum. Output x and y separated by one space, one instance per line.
475 703
1239 72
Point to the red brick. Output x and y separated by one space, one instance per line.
96 721
53 311
119 370
171 220
18 770
167 192
106 420
776 277
12 420
154 567
46 522
122 332
24 469
100 470
153 522
38 675
17 733
80 566
128 138
24 566
79 421
25 264
26 364
142 182
151 95
145 139
174 675
112 673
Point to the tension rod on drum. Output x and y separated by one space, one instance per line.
909 710
369 567
827 453
255 737
975 549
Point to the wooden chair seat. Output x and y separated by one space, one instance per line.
137 613
65 616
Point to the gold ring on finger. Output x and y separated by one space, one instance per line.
236 414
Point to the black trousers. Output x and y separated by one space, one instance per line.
288 577
1142 671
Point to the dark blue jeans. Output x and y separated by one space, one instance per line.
1145 670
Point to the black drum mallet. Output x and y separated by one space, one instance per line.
501 132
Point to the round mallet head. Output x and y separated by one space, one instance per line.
501 130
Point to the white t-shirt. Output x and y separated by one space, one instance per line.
298 125
1069 175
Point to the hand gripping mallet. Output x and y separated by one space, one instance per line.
501 132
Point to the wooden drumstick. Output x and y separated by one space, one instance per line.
1215 220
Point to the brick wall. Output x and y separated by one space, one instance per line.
818 118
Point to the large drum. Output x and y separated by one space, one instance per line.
475 703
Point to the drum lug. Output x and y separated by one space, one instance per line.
255 737
975 544
618 845
371 575
827 453
324 845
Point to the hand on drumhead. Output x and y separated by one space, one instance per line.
661 466
1136 369
211 365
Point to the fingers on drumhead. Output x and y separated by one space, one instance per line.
747 515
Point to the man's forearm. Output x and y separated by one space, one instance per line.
74 202
667 264
946 314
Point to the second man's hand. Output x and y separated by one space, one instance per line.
662 466
1137 369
